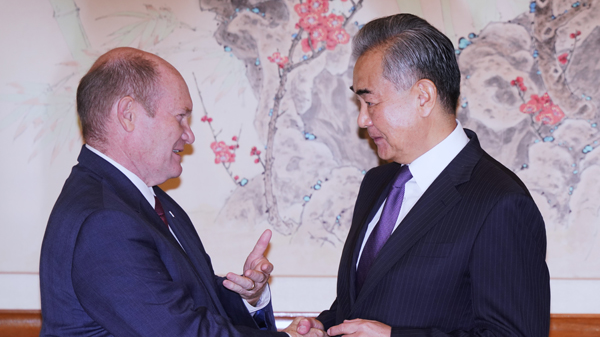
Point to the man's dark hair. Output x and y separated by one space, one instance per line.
412 50
109 81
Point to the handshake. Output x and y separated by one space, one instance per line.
311 327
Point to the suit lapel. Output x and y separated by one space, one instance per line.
129 194
439 198
194 250
369 200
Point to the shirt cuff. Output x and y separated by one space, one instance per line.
263 301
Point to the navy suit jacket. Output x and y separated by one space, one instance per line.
467 260
110 267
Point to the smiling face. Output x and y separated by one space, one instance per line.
390 116
161 138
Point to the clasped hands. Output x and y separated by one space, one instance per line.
355 328
250 286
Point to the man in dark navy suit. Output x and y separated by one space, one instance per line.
119 256
445 240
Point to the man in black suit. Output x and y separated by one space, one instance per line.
119 256
460 250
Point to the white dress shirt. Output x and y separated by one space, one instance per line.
148 193
424 170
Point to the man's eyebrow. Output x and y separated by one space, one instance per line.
360 91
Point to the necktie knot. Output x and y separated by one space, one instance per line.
404 175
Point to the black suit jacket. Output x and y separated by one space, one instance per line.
110 266
467 260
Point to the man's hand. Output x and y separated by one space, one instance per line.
306 324
360 327
310 327
257 270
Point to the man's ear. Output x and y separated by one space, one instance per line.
427 96
126 113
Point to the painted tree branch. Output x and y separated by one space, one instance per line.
545 30
286 227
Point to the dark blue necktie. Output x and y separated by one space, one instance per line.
385 226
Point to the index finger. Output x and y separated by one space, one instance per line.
261 244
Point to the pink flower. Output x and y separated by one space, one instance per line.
318 34
534 105
277 58
236 177
256 161
310 21
224 157
551 114
563 58
337 36
302 9
332 21
234 138
319 6
575 35
219 147
519 83
222 154
253 151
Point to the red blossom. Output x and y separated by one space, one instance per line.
256 161
310 21
319 6
222 154
519 83
318 34
563 58
204 118
575 35
232 147
277 58
209 119
337 36
332 21
253 151
302 9
551 114
257 152
534 105
234 138
236 178
224 157
218 147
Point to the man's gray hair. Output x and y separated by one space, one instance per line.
413 50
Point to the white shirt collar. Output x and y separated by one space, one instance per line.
429 165
146 191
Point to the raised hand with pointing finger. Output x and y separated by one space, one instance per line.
257 270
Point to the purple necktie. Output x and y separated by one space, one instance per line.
384 227
161 212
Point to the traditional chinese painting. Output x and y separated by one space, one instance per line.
277 145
